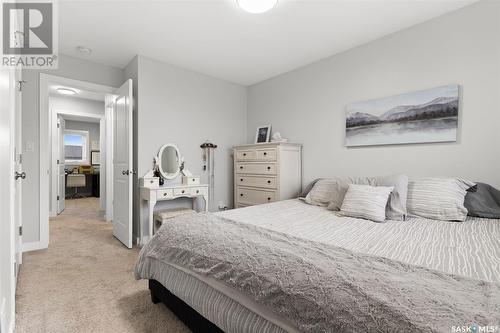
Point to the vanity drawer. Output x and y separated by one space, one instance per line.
246 155
182 191
258 168
252 181
164 194
254 197
266 154
198 191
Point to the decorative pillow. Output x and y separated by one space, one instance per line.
483 200
438 198
396 206
326 191
366 202
308 188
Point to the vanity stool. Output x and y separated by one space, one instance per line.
161 216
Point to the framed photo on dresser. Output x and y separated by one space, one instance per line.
263 134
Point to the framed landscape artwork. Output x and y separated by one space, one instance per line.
418 117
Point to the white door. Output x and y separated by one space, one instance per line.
7 199
18 166
61 176
123 174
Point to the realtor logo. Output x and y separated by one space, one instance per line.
29 38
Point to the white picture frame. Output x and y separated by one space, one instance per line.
263 134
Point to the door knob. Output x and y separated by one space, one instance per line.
125 172
21 175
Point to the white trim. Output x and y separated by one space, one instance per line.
32 246
45 81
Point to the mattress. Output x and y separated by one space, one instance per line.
470 248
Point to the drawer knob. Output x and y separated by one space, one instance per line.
265 153
244 154
151 182
183 191
268 199
194 179
241 194
241 167
197 191
269 182
164 194
268 168
241 179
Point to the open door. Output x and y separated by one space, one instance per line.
122 164
18 166
61 174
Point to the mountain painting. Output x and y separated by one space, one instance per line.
418 117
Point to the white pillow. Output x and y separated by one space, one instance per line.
438 198
366 202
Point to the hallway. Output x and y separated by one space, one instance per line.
84 281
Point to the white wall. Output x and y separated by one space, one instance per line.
186 108
307 105
70 68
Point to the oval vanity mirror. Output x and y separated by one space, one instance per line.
169 161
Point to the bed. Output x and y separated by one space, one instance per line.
422 259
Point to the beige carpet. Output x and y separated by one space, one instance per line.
84 281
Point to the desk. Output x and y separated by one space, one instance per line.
91 189
150 196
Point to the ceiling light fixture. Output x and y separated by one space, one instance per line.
257 6
84 50
66 91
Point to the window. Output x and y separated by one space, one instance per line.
76 147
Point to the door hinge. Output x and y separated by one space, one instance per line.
58 125
20 230
20 158
57 197
57 161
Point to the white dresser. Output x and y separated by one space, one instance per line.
266 172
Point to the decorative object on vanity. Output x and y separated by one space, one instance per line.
263 134
421 116
266 173
150 180
277 138
208 150
168 161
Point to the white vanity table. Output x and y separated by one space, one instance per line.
168 163
150 196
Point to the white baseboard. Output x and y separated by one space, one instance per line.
32 246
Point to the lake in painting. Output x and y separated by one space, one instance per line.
418 117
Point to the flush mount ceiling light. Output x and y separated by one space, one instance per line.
66 91
84 50
257 6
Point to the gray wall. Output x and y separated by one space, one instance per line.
307 105
70 68
186 108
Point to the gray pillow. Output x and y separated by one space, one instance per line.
438 198
326 191
483 200
396 205
366 202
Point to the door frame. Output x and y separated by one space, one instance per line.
45 81
102 144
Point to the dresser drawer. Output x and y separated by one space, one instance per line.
257 168
181 191
246 155
164 194
248 196
266 154
253 181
